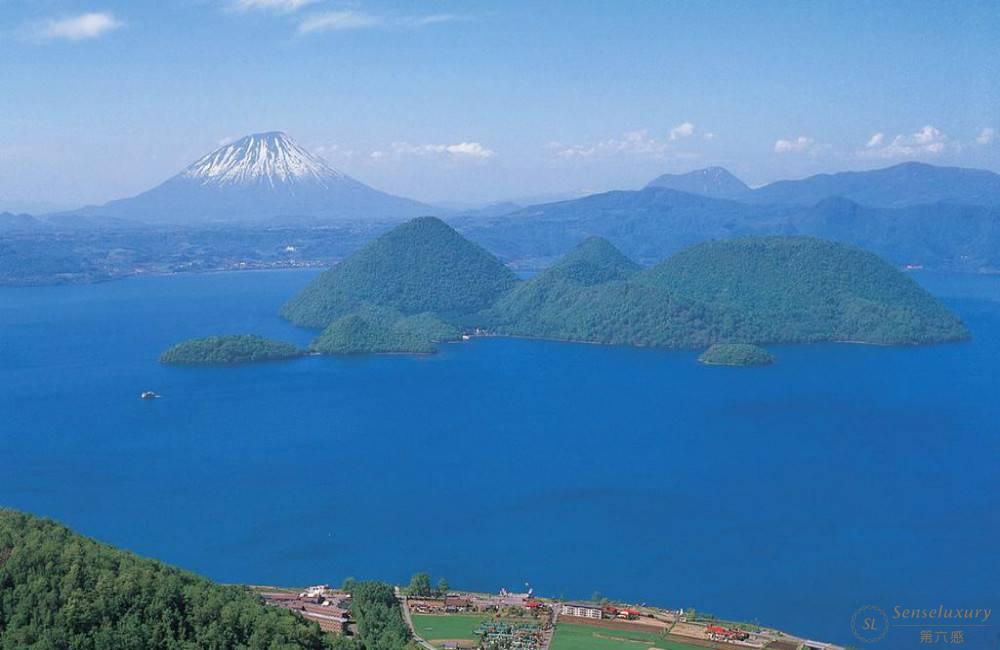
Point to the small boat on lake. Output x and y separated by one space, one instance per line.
148 394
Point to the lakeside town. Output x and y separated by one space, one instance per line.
446 619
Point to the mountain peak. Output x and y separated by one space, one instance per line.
270 158
594 260
711 181
423 265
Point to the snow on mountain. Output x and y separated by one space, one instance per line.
264 177
263 157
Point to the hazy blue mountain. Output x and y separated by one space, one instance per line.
646 224
11 221
490 210
652 223
940 235
712 181
264 177
902 185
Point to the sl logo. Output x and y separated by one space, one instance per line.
869 624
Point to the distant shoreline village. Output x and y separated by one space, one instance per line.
445 619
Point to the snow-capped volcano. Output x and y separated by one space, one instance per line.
271 158
260 177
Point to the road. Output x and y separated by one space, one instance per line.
409 621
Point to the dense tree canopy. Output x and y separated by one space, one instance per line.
420 585
801 289
414 285
221 350
736 354
379 618
378 330
761 290
420 266
61 590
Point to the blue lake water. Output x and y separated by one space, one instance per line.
842 476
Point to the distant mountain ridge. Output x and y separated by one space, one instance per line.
264 177
716 182
902 185
651 223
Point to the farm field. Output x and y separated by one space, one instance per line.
571 636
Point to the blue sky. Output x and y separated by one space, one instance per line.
470 101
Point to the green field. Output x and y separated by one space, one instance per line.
448 626
572 636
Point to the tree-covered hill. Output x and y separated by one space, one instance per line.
594 261
757 290
420 266
230 349
587 296
378 330
61 590
801 289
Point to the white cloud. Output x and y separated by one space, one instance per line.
338 21
632 143
432 19
473 149
798 145
78 28
987 136
684 130
333 152
277 6
347 19
457 151
928 141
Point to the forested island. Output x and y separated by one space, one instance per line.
736 354
423 283
228 350
415 286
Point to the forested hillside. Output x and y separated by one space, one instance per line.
61 590
801 289
420 266
755 290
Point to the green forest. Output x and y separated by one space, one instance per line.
736 354
422 283
420 266
378 330
231 349
758 290
59 589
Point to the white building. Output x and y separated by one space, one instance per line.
582 610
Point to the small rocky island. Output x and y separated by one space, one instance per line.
736 354
228 350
